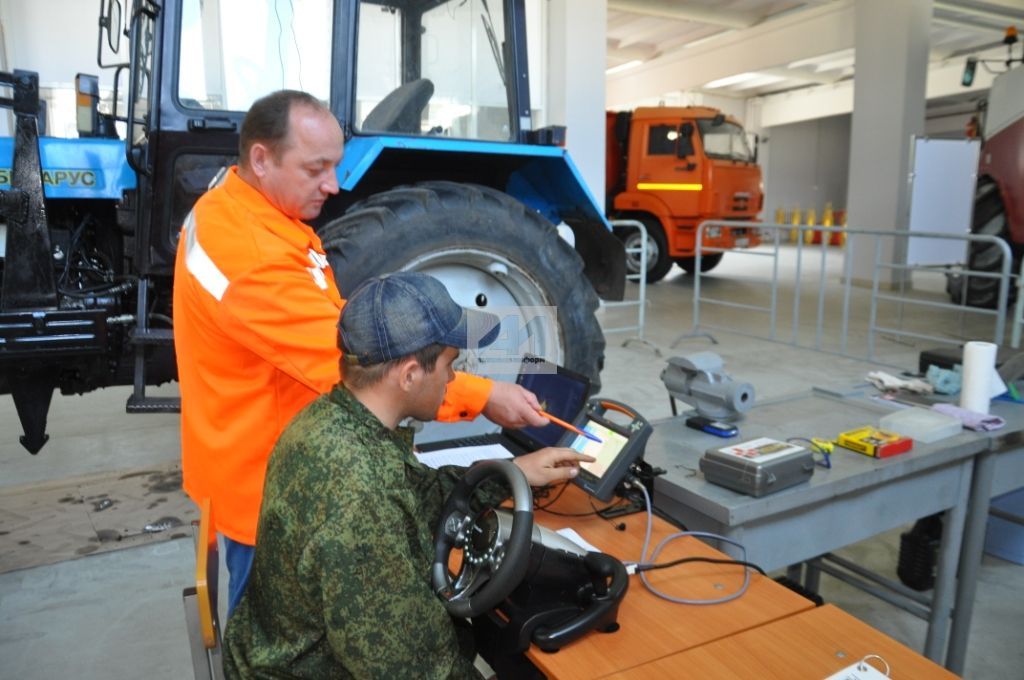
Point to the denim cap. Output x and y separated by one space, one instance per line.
395 315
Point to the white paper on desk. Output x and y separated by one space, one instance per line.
463 455
576 538
862 670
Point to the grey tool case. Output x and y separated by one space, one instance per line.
757 467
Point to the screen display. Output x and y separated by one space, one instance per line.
611 444
560 395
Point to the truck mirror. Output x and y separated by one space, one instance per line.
110 22
967 79
684 147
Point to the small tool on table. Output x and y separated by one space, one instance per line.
568 426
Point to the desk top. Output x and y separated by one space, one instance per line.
650 626
812 644
678 449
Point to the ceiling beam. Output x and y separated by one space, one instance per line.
774 43
988 11
672 9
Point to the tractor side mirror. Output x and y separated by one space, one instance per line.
684 149
110 24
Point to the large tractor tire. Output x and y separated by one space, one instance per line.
707 262
489 250
658 261
989 218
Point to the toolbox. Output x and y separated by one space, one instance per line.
757 467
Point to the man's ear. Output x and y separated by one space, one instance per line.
410 373
259 158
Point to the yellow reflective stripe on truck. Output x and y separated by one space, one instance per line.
668 186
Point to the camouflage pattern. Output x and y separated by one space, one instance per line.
340 584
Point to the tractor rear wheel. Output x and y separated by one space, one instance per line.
989 218
490 251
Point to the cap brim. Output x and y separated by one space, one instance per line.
475 330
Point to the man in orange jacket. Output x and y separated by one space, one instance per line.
255 314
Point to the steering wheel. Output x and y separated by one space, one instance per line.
496 544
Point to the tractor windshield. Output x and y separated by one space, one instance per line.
727 141
429 67
235 51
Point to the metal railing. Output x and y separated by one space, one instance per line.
895 297
641 278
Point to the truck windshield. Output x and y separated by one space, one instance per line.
235 51
726 141
439 71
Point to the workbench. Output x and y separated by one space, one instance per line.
859 497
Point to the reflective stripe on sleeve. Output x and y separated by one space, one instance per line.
199 263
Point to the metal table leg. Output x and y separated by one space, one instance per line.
945 580
970 559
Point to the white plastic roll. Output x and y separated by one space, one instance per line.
979 366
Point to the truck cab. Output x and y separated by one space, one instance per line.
672 168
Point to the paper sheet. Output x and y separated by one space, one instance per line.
576 538
463 455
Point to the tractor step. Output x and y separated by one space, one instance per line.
153 336
137 404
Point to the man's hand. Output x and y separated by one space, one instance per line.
551 464
511 405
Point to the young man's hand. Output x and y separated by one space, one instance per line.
511 405
550 465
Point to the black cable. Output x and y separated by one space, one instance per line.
538 506
711 560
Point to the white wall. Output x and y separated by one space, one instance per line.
576 51
57 39
805 165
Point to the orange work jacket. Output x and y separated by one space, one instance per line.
255 330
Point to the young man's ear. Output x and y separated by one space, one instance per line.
409 374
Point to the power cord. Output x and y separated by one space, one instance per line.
649 562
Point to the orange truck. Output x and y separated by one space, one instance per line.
672 168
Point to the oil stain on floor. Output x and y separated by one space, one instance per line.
57 521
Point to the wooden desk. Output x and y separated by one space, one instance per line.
812 644
650 626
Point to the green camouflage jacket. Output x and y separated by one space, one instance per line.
340 584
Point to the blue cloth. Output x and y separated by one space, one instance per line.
238 557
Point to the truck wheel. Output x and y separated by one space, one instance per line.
658 260
707 262
488 249
989 218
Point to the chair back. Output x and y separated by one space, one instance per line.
201 601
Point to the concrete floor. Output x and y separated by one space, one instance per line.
119 614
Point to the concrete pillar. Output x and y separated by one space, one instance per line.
891 43
576 48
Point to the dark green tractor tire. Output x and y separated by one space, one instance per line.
489 250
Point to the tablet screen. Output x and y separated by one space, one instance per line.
612 443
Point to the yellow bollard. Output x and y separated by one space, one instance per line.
780 215
794 219
812 219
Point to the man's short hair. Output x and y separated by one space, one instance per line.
267 121
356 376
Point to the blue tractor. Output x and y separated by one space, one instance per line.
447 170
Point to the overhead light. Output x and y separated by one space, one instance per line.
623 67
731 80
